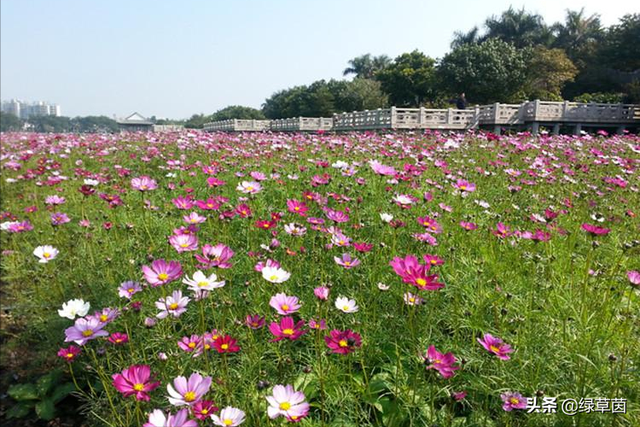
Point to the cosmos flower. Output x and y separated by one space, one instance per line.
59 218
337 216
118 338
226 344
73 308
346 305
203 409
192 344
249 187
321 292
143 183
343 342
84 330
215 256
188 392
496 346
157 418
465 186
135 381
634 277
411 299
194 218
283 304
346 261
229 417
45 253
174 304
381 169
513 401
295 206
162 272
385 217
275 275
184 242
287 402
443 363
594 230
254 321
200 282
128 289
70 353
287 329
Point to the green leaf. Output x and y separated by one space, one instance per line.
19 410
62 391
45 409
46 382
21 392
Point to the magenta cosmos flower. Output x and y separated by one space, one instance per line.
496 346
135 381
321 292
157 418
287 329
69 354
443 363
85 329
284 304
594 230
174 305
464 185
188 392
414 273
513 401
295 206
254 321
343 342
287 402
162 272
634 277
143 183
215 256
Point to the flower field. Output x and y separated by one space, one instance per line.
193 279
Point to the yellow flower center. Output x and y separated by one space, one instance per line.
224 346
284 307
437 361
189 396
285 406
249 188
345 307
192 345
412 299
266 225
138 387
87 333
421 282
287 331
343 343
228 422
296 208
183 245
203 284
173 306
273 277
293 417
204 411
463 187
46 254
494 348
130 290
347 263
69 355
103 317
434 262
514 401
163 276
207 346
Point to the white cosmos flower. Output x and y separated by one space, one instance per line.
46 253
386 217
346 305
91 182
383 287
275 275
200 282
73 308
249 187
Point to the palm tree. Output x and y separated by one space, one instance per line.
579 35
366 66
460 38
519 27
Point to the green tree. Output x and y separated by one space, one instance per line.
410 80
620 49
9 122
56 124
518 27
237 112
358 95
197 121
579 36
461 38
366 66
547 72
93 124
493 71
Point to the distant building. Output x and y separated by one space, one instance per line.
167 128
25 110
135 122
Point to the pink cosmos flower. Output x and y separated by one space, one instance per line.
469 226
249 187
194 218
128 289
295 206
208 205
203 409
465 186
346 261
321 292
502 230
319 324
215 182
254 321
184 242
118 338
381 169
513 401
634 277
215 256
443 363
19 227
175 304
414 273
287 402
157 418
192 344
188 392
284 304
411 299
287 329
430 224
343 342
135 381
162 272
59 218
363 247
143 183
183 203
54 200
496 346
337 216
243 210
85 329
229 417
432 260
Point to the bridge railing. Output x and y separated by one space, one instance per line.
235 125
580 112
302 124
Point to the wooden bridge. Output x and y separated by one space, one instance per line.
528 115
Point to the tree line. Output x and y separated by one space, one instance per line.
514 57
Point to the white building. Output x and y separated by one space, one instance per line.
25 110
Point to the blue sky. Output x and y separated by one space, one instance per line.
176 58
